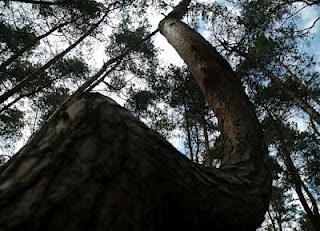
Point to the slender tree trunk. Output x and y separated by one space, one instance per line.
29 46
93 166
297 80
298 184
56 58
209 156
196 154
188 133
300 102
313 215
279 221
272 221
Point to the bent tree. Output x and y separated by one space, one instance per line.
94 166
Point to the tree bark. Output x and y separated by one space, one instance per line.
236 116
94 166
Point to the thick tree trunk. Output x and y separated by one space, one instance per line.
96 167
237 119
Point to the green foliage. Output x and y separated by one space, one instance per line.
174 101
259 15
74 69
49 101
139 101
304 223
13 38
282 207
125 37
11 123
90 8
16 72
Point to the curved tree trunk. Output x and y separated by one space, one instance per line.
236 116
94 166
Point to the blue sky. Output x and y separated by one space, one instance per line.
308 16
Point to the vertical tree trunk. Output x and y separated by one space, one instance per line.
272 221
209 156
196 154
188 133
279 221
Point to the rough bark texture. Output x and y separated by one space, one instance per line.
96 167
224 92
